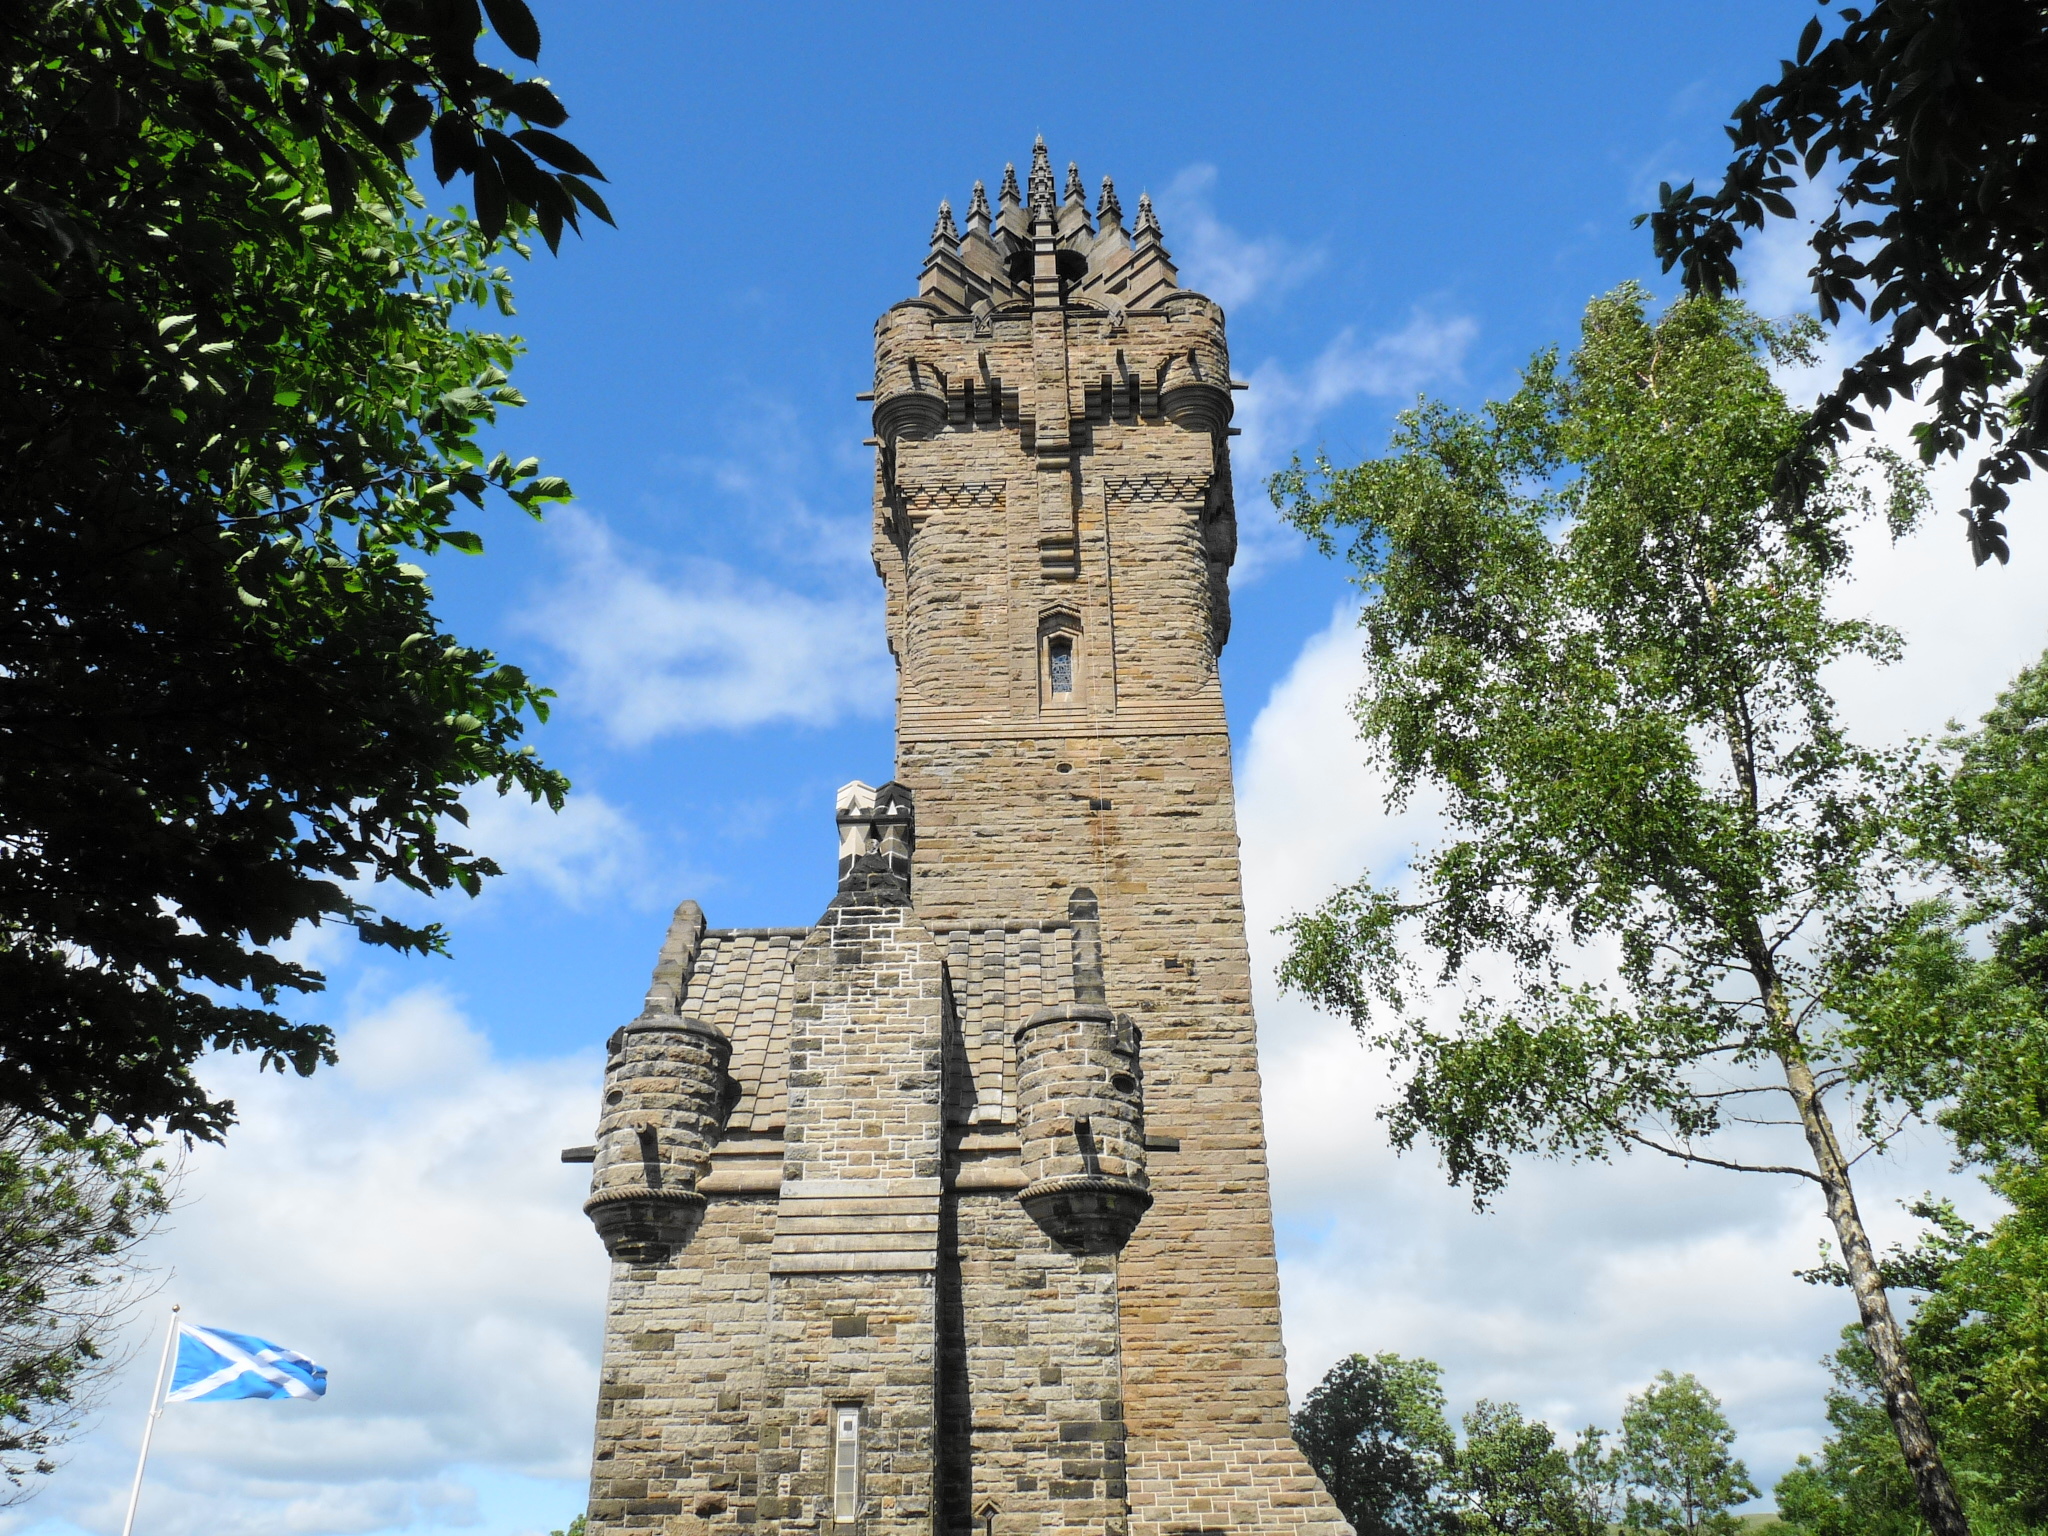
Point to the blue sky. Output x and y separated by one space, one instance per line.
1387 198
775 174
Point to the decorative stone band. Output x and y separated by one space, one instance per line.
1188 489
934 498
856 1226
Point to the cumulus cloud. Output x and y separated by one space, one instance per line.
1277 417
1214 259
1583 1281
1279 412
661 647
404 1219
588 851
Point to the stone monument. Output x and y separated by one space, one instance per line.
948 1214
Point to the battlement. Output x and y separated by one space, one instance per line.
1095 262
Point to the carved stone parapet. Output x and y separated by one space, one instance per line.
645 1227
1199 407
1086 1213
914 413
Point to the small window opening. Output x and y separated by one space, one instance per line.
846 1464
1059 665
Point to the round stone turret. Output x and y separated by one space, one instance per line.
1080 1108
665 1102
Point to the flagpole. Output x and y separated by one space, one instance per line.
156 1407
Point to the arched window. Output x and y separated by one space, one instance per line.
1062 669
1059 665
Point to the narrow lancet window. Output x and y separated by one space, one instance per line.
846 1464
1059 666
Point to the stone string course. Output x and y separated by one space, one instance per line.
1052 459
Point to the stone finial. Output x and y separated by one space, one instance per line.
1010 197
1109 212
855 807
977 210
877 836
944 232
1075 194
1041 179
1148 221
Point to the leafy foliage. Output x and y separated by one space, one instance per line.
1974 964
1935 117
1374 1430
235 398
1676 1456
1511 1476
1586 632
1979 1346
72 1210
1573 610
1376 1433
1971 967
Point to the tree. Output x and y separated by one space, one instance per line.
1585 629
1510 1476
72 1211
1676 1449
1374 1430
1970 966
1979 1345
1934 118
236 397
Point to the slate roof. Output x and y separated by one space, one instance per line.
998 975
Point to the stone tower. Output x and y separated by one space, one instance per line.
948 1213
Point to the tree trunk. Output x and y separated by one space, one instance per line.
1939 1505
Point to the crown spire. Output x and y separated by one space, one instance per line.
977 209
1010 196
945 232
1074 192
1041 179
1148 221
1109 213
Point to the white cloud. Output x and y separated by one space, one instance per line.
404 1219
588 851
1279 414
1586 1280
659 647
1280 410
1214 259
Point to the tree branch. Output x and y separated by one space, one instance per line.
1713 1162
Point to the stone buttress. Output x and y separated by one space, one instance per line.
949 1213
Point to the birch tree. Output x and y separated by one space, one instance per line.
1587 631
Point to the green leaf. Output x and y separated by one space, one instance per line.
558 152
533 101
515 26
468 543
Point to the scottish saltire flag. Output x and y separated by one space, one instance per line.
215 1366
